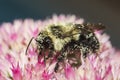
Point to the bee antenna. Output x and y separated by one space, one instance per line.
29 45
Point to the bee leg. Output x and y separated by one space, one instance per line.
59 59
57 64
56 67
44 59
41 54
44 56
84 55
50 54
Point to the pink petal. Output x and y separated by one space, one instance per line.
69 73
10 58
35 32
17 73
1 77
13 36
46 76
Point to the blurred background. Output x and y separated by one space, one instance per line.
94 11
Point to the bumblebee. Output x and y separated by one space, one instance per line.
70 42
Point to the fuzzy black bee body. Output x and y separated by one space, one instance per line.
70 42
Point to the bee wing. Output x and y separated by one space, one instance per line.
94 27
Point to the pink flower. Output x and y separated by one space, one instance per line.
16 65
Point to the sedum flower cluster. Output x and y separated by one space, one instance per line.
16 65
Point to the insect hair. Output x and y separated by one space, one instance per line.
67 42
34 38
